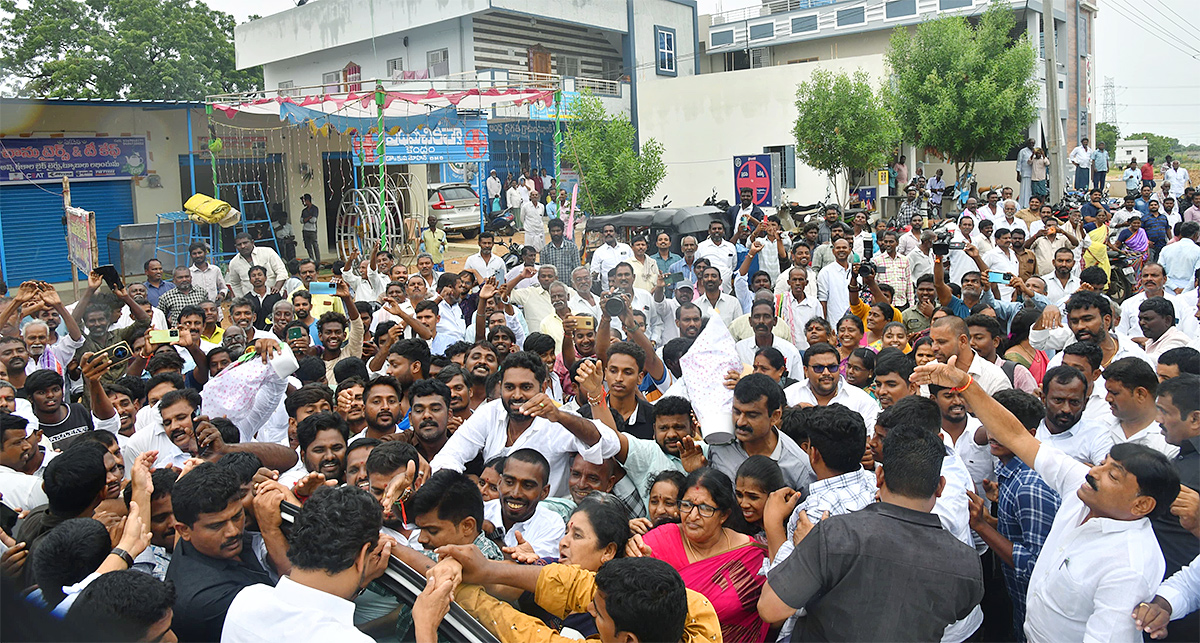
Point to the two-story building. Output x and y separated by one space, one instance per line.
615 48
752 59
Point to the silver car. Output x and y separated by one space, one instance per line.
456 206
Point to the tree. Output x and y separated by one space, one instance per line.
966 91
614 175
1159 146
1109 134
136 49
842 125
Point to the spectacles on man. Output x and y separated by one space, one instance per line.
823 368
706 511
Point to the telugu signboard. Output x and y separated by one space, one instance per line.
457 142
37 159
81 239
754 172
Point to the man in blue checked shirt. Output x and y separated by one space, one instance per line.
1025 509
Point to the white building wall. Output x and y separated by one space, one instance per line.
704 121
646 15
372 57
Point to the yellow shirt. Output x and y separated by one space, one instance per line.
435 244
562 590
861 309
215 337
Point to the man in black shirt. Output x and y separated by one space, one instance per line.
1179 415
853 563
63 422
214 560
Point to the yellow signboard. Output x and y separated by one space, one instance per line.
883 177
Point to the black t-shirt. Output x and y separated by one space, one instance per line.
75 424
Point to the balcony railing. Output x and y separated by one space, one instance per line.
766 9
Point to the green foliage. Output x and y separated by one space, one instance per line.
966 91
614 176
1109 134
1160 146
137 49
842 124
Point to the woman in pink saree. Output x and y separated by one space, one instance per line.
714 560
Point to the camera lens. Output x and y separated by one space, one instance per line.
614 306
120 352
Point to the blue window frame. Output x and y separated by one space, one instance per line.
946 5
664 44
718 38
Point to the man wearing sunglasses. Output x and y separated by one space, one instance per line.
824 386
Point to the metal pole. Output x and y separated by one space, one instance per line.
191 151
1054 136
380 151
66 193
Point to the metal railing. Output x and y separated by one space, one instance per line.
599 86
772 7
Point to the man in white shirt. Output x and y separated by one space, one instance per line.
1154 281
523 417
1081 158
833 282
713 302
249 255
1178 177
483 263
719 252
801 257
494 190
534 301
911 239
992 210
532 212
20 490
335 551
519 510
1066 397
823 386
1156 318
525 189
1101 558
796 306
451 326
950 337
1062 283
1131 386
1002 259
205 275
608 255
1009 220
763 320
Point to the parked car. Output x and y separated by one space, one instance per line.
456 206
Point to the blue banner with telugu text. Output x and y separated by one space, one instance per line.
39 159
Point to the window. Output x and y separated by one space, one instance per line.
352 74
395 68
438 62
719 38
946 5
804 23
765 30
331 82
568 65
1081 32
285 88
787 164
795 61
735 60
664 37
852 16
611 68
900 8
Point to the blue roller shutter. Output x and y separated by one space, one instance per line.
35 245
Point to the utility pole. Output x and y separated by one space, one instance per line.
1054 133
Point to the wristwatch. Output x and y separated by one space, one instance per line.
124 555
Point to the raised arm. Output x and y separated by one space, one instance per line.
654 365
1000 423
51 298
944 294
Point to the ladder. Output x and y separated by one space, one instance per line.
251 201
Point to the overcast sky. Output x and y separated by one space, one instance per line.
1144 45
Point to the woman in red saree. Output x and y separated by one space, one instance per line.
714 560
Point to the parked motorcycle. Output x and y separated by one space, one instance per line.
1121 281
723 204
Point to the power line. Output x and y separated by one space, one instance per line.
1168 8
1150 28
1165 28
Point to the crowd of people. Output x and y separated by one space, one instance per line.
922 428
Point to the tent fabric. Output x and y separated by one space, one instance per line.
354 110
